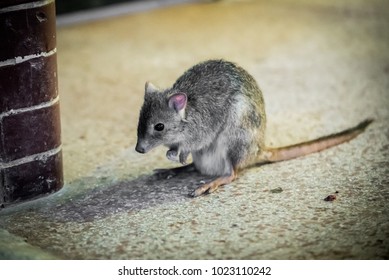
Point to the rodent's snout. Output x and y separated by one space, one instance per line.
140 149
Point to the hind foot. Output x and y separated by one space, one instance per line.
169 173
212 186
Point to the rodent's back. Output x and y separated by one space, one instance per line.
214 85
217 76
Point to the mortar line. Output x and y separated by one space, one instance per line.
20 59
27 159
2 150
31 108
25 6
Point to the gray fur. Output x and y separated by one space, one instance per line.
222 125
216 112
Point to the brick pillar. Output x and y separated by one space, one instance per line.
30 144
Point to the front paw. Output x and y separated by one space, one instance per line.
183 157
172 155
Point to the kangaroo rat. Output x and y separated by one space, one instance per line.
216 112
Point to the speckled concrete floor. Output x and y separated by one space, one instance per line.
323 66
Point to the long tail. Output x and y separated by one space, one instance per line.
313 146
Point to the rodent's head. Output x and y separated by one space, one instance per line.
161 119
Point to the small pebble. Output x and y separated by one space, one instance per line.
276 190
331 197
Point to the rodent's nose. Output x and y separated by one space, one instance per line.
140 149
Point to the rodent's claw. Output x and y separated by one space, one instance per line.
183 157
172 155
213 185
203 189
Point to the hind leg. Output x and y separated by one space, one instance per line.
168 173
212 186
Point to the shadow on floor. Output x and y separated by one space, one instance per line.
143 192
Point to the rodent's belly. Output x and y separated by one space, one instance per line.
214 163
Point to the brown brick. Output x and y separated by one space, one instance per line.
32 179
29 167
30 133
28 31
29 83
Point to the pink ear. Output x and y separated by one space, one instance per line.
178 101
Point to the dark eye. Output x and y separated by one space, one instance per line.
159 127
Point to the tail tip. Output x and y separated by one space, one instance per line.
365 123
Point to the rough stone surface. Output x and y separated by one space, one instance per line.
323 66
